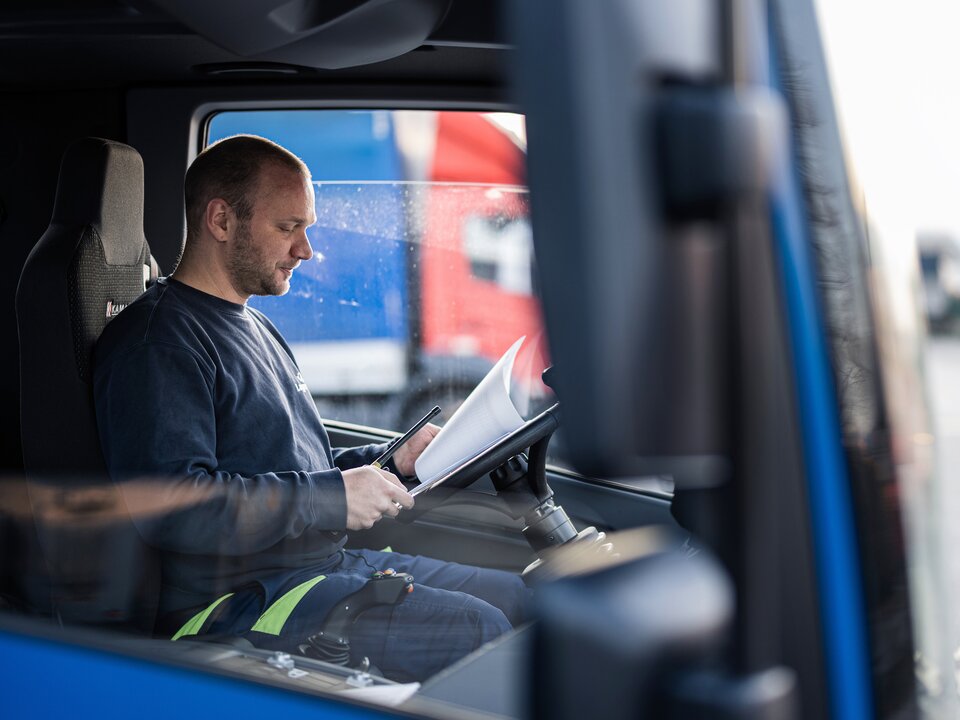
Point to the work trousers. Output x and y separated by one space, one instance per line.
452 610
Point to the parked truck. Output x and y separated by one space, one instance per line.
422 240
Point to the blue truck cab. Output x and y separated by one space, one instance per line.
737 507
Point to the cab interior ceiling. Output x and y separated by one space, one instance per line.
67 68
116 43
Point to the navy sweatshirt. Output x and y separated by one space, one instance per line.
206 422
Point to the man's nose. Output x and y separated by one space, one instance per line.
302 249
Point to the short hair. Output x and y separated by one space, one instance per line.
229 169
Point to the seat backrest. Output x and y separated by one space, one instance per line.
87 266
85 562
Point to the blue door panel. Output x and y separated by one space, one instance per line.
46 679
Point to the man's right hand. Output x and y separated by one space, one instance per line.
371 494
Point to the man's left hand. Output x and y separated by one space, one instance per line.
407 455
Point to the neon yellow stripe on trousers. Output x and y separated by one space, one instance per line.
193 625
275 616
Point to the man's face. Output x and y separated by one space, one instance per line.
272 243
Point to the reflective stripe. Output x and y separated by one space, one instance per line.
193 625
275 616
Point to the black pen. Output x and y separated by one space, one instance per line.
381 461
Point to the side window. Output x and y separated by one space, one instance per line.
423 268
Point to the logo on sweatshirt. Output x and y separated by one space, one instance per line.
113 309
301 385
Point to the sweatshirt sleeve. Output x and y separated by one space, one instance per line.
157 425
352 457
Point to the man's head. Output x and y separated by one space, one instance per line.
248 203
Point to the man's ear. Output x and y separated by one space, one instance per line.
220 219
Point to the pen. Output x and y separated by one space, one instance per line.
381 461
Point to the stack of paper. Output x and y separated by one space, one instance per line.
487 415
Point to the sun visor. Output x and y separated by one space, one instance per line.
327 34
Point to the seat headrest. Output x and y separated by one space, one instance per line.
101 184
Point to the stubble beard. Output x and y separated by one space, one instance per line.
249 271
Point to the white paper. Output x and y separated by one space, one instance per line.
487 415
389 695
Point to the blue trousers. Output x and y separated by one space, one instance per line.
453 610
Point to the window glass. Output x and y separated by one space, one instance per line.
422 275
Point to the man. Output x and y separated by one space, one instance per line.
197 389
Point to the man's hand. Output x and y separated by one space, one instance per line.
371 494
407 455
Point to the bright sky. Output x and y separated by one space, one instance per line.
895 68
